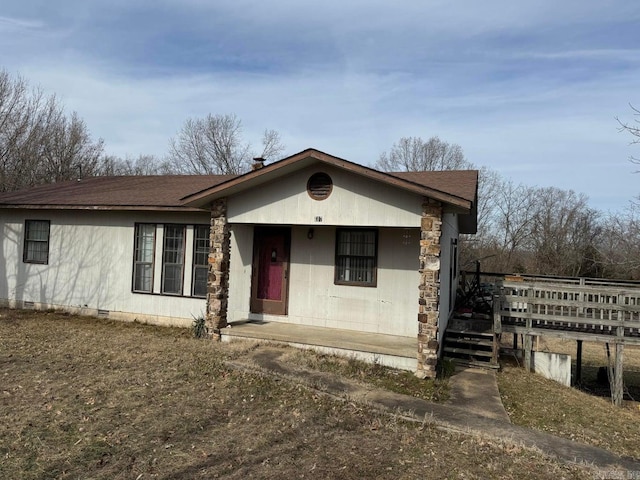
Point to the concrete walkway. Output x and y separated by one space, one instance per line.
477 392
459 415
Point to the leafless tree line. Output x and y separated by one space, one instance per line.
520 228
39 143
535 230
213 145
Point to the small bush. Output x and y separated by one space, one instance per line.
446 368
200 329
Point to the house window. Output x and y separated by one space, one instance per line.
144 248
173 259
36 241
356 252
200 260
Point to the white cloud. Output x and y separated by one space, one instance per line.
8 24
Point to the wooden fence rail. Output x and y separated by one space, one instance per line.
580 309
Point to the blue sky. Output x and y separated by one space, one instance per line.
531 89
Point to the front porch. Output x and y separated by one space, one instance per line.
388 350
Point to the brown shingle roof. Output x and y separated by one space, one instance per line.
177 192
460 183
139 192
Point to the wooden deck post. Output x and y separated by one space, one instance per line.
528 342
528 347
578 379
617 390
497 329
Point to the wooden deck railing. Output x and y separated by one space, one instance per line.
609 311
580 309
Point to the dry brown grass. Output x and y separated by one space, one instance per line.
399 381
88 398
594 355
584 415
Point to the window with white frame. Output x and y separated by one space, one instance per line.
356 257
144 252
173 259
200 260
36 241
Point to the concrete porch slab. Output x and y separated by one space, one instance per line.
388 350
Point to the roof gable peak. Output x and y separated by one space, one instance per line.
308 157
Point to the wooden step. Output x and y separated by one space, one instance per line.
470 333
466 351
480 342
471 363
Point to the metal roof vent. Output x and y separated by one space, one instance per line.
319 186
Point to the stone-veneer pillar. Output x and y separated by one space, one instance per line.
218 278
430 230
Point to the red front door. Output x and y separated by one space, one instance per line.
269 283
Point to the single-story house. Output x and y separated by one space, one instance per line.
309 240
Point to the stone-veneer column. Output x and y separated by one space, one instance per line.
218 278
430 230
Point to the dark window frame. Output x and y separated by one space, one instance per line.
342 259
195 267
27 241
136 262
181 256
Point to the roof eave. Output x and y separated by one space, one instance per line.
142 208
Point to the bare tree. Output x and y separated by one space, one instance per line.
18 111
565 234
272 146
413 154
483 243
38 142
143 165
619 244
633 128
214 145
514 223
67 151
490 184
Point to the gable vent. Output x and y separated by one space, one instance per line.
319 186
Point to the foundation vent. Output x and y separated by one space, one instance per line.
103 313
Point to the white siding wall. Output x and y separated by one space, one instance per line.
241 257
354 201
447 299
91 258
91 264
391 307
